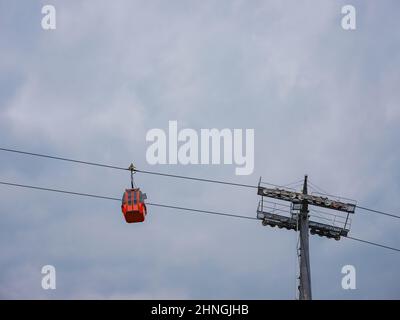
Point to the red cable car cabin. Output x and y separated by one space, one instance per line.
133 206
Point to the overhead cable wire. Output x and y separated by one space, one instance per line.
166 206
362 207
118 199
318 189
198 179
172 175
373 243
127 169
379 212
63 159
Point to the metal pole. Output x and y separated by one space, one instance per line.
305 271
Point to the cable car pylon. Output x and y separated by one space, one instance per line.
299 220
304 252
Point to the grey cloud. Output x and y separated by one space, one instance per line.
322 101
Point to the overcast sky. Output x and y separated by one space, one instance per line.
322 101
